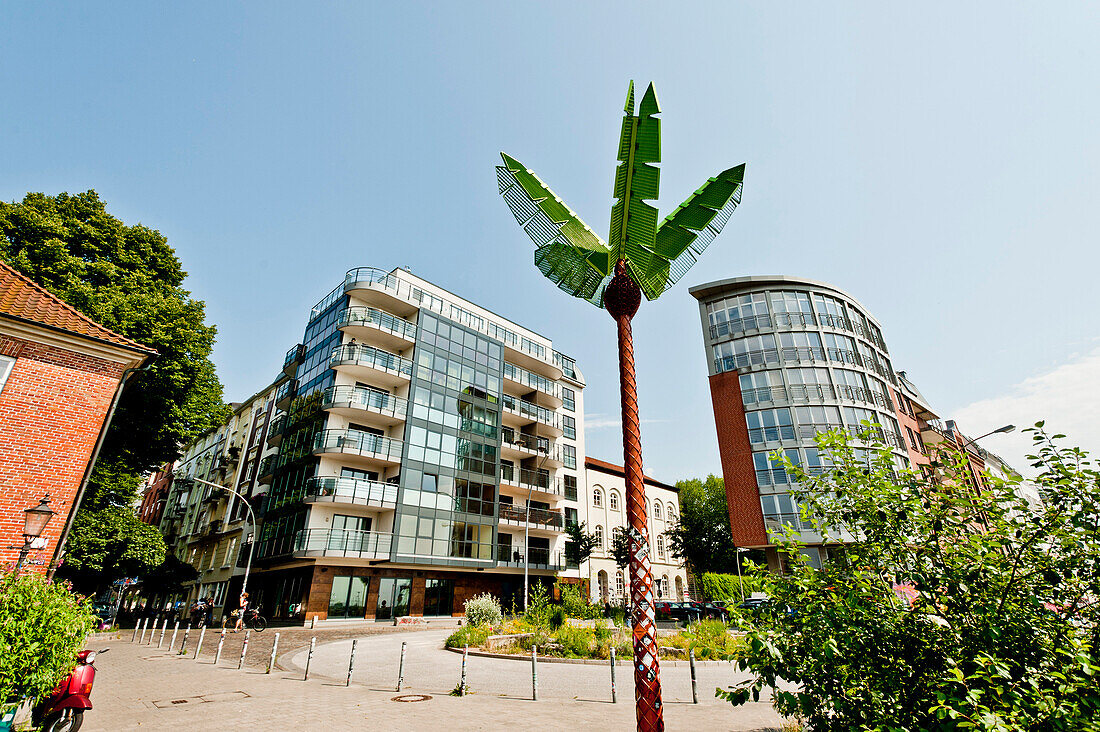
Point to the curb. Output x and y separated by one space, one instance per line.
586 661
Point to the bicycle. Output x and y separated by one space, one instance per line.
253 620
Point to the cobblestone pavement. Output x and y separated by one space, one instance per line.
141 687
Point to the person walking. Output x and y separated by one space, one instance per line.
241 611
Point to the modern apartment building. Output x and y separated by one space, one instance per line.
788 358
426 450
604 514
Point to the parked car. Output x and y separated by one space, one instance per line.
709 610
753 605
679 611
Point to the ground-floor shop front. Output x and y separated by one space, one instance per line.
331 592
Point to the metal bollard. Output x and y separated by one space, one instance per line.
274 650
313 622
221 642
175 630
198 648
144 627
309 658
244 650
401 668
694 688
614 696
137 624
534 674
183 646
163 630
351 662
462 684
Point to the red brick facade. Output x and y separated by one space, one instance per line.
51 411
155 496
746 516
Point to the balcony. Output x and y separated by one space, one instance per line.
522 447
292 358
523 380
369 363
352 401
370 448
275 430
776 433
267 469
285 395
508 556
744 360
532 480
538 518
350 491
521 413
376 326
342 543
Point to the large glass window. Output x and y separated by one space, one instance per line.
393 597
439 596
801 346
569 399
348 598
770 472
569 456
769 425
738 313
753 350
840 348
761 386
569 427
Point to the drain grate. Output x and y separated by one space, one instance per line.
411 698
179 701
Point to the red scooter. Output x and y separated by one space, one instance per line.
63 710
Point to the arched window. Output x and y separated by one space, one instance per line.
664 584
620 586
601 580
671 513
599 537
657 510
679 589
660 547
597 497
614 500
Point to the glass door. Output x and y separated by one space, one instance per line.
393 597
348 598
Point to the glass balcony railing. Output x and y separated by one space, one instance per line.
538 517
267 467
372 400
375 318
375 358
286 391
533 411
771 434
351 490
539 481
358 443
534 381
342 543
539 558
275 429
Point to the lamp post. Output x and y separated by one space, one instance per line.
251 517
740 582
527 524
1000 430
35 519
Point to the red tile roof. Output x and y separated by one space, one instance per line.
606 467
23 299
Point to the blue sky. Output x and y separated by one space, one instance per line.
938 161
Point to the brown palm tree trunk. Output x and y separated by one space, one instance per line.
622 298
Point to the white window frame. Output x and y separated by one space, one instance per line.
7 365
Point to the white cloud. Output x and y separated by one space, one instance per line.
594 422
1067 397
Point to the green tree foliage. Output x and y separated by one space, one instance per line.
620 549
128 279
579 544
953 606
726 587
702 535
169 577
42 628
108 544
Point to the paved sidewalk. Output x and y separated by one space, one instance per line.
140 687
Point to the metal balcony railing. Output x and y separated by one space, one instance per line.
771 434
743 360
357 443
275 429
375 318
532 479
267 468
350 490
533 411
532 380
342 543
515 556
538 517
294 356
361 355
354 397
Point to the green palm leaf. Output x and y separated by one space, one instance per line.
567 251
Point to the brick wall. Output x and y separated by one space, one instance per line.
746 517
51 410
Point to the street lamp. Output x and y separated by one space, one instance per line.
34 523
740 582
252 518
1000 430
527 522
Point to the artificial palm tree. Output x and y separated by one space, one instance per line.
640 257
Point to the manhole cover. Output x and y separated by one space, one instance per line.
411 698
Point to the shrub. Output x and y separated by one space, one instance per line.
575 601
483 609
42 627
538 606
557 617
468 635
617 615
575 642
726 587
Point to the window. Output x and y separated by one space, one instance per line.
661 547
671 513
801 346
569 427
438 596
664 584
598 533
569 456
761 386
738 313
569 399
770 425
614 500
620 586
6 365
597 497
571 516
570 487
657 510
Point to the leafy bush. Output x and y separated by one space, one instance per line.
575 601
709 639
617 615
468 635
538 606
575 642
42 628
557 617
483 609
726 587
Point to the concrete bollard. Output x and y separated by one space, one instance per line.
401 667
351 662
534 674
244 650
163 630
274 650
614 696
462 683
144 627
175 629
198 647
183 646
221 642
309 658
137 624
694 686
